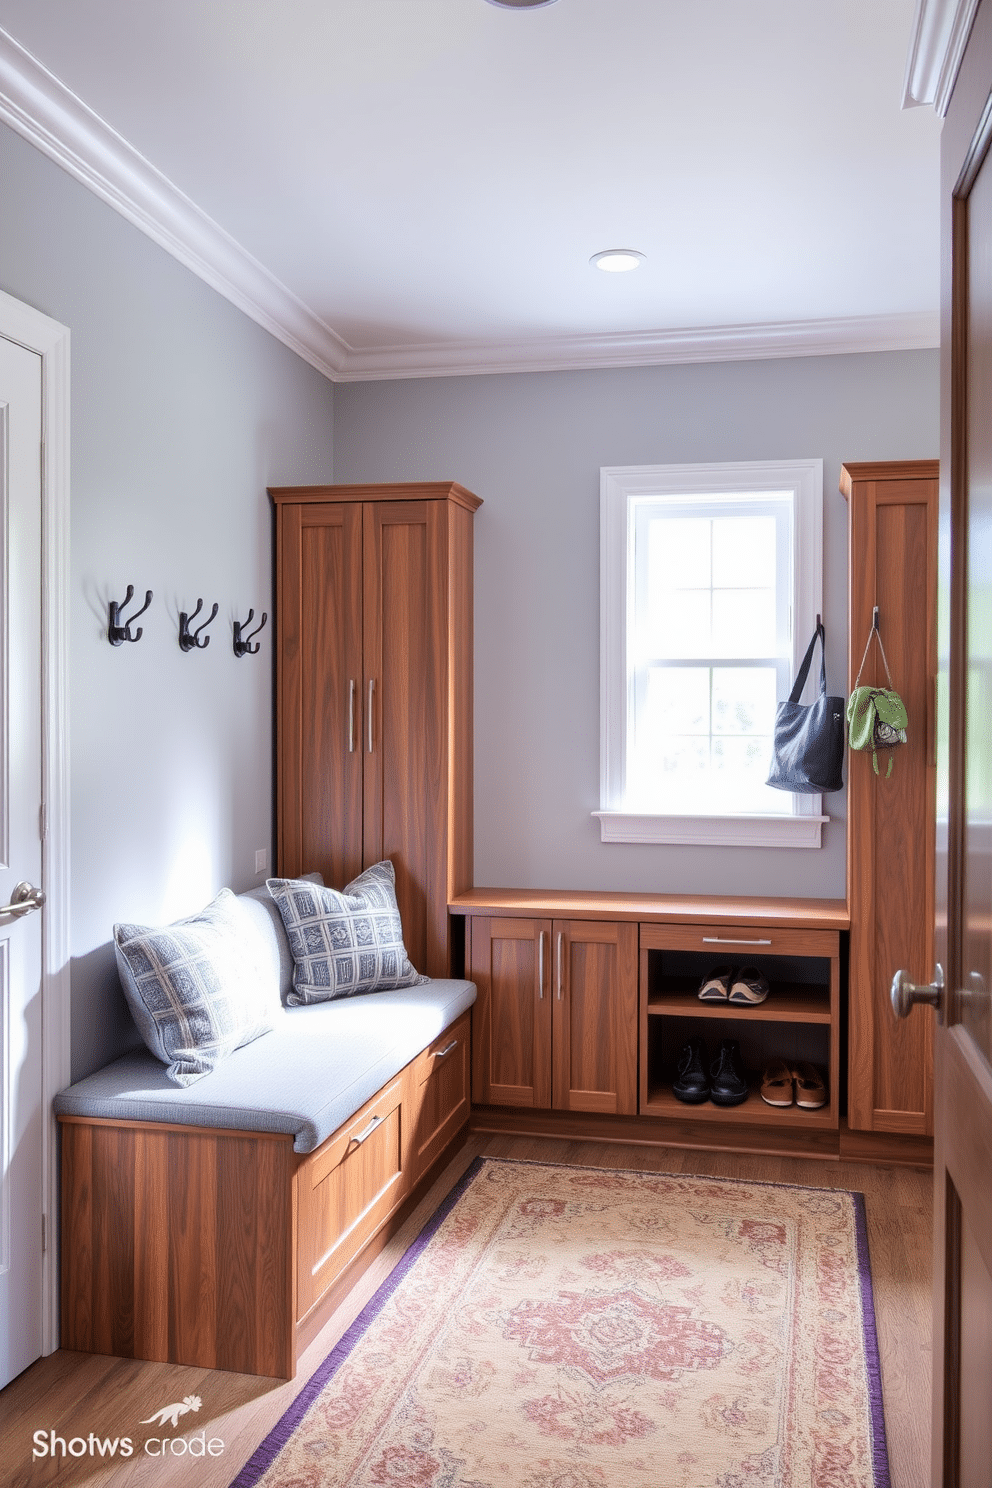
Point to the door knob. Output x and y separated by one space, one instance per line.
23 900
905 994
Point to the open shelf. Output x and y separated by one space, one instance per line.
661 1102
787 1002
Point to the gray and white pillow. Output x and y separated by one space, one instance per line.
345 943
197 989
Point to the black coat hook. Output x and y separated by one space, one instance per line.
118 633
241 646
874 618
187 638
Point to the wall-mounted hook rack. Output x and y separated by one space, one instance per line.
189 639
119 631
241 642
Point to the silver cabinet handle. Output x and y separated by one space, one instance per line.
440 1053
351 716
728 940
540 966
364 1136
371 693
561 943
23 900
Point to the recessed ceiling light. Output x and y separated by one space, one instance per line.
617 260
520 4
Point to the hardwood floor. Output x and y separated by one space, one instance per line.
73 1395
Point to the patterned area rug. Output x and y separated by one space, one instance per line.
563 1327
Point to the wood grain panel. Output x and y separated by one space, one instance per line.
460 826
511 1028
405 790
177 1246
439 1101
595 1016
345 1190
891 822
678 909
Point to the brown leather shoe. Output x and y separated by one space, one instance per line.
811 1088
776 1083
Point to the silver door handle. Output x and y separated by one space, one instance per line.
728 940
540 966
371 692
351 716
906 994
23 900
440 1053
561 942
364 1136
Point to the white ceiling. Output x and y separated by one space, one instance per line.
435 174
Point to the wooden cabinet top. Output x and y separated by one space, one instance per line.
684 909
391 491
886 470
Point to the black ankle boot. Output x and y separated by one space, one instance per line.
728 1082
691 1083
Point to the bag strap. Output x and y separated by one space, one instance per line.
885 661
803 672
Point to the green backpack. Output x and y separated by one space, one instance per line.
876 716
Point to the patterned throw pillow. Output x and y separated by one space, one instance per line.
198 989
344 943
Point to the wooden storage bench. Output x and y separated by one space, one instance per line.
227 1249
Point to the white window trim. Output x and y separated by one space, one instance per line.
618 486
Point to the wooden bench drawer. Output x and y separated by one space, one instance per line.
439 1095
346 1189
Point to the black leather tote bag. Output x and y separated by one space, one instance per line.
808 747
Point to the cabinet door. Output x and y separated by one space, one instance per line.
404 731
318 690
439 1096
595 1016
511 1025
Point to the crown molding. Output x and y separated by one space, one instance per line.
939 36
798 338
43 110
39 107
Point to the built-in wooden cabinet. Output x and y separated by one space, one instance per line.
374 693
798 1021
891 822
555 1024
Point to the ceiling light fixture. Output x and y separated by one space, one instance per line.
520 4
617 260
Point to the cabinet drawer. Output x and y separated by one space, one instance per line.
346 1189
440 1095
737 943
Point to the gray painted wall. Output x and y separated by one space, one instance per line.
532 446
183 410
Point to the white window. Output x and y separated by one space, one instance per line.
710 587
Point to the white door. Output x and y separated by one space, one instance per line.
21 1107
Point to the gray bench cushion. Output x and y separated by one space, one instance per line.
316 1068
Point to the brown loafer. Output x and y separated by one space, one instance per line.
811 1089
776 1083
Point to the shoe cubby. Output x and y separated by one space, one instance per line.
798 1021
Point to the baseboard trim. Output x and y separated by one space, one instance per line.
885 1147
641 1131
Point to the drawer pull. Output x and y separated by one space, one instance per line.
440 1053
364 1136
729 940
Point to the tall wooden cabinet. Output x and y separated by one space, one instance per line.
374 693
891 822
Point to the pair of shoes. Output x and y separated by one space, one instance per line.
782 1083
725 1084
727 985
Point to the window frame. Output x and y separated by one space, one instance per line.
620 487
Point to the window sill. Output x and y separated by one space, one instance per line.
712 831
